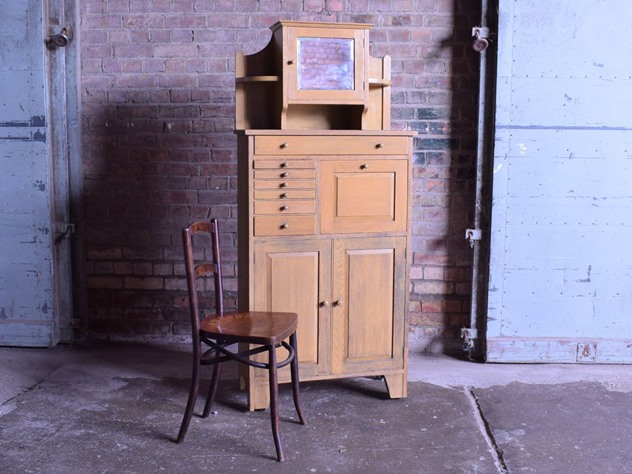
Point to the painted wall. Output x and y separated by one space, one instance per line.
26 287
561 253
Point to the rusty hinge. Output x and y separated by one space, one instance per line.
472 235
64 231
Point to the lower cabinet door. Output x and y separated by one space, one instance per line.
368 305
294 276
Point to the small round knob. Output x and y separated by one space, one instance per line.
364 166
285 164
284 145
284 208
284 226
283 185
290 62
283 195
379 145
338 303
325 304
283 175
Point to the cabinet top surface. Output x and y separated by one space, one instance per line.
315 24
405 133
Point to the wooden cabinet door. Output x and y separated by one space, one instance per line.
368 308
295 276
368 195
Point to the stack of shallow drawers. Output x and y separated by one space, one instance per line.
284 196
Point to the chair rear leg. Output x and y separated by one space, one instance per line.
274 402
295 381
212 390
193 391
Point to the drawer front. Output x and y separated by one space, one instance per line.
331 145
284 225
285 194
283 206
283 164
285 184
285 174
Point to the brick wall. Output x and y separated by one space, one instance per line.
159 150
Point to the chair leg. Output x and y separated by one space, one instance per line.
193 391
295 381
212 390
274 402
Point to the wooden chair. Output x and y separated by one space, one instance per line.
220 331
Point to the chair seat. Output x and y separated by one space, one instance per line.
256 327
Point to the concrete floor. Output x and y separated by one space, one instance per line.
117 408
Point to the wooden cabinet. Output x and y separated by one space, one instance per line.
325 234
324 212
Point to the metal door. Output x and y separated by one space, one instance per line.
561 248
35 284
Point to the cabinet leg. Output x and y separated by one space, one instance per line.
258 397
397 385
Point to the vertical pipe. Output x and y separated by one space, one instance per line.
473 343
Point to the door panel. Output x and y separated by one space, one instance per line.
35 288
367 309
363 195
294 279
560 266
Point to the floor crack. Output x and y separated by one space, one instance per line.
486 431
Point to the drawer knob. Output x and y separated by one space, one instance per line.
283 195
285 164
284 145
283 175
325 304
283 185
284 208
284 226
379 145
338 303
364 166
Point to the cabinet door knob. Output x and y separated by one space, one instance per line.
379 145
285 145
364 166
284 208
338 303
290 62
284 226
325 304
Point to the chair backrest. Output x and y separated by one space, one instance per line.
201 239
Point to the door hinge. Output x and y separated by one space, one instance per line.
468 336
64 231
473 235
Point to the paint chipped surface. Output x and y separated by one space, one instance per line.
561 259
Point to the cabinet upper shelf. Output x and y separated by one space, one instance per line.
313 76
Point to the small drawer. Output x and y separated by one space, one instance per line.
283 164
289 194
331 145
282 225
282 206
284 184
285 174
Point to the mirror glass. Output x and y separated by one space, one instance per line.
325 64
